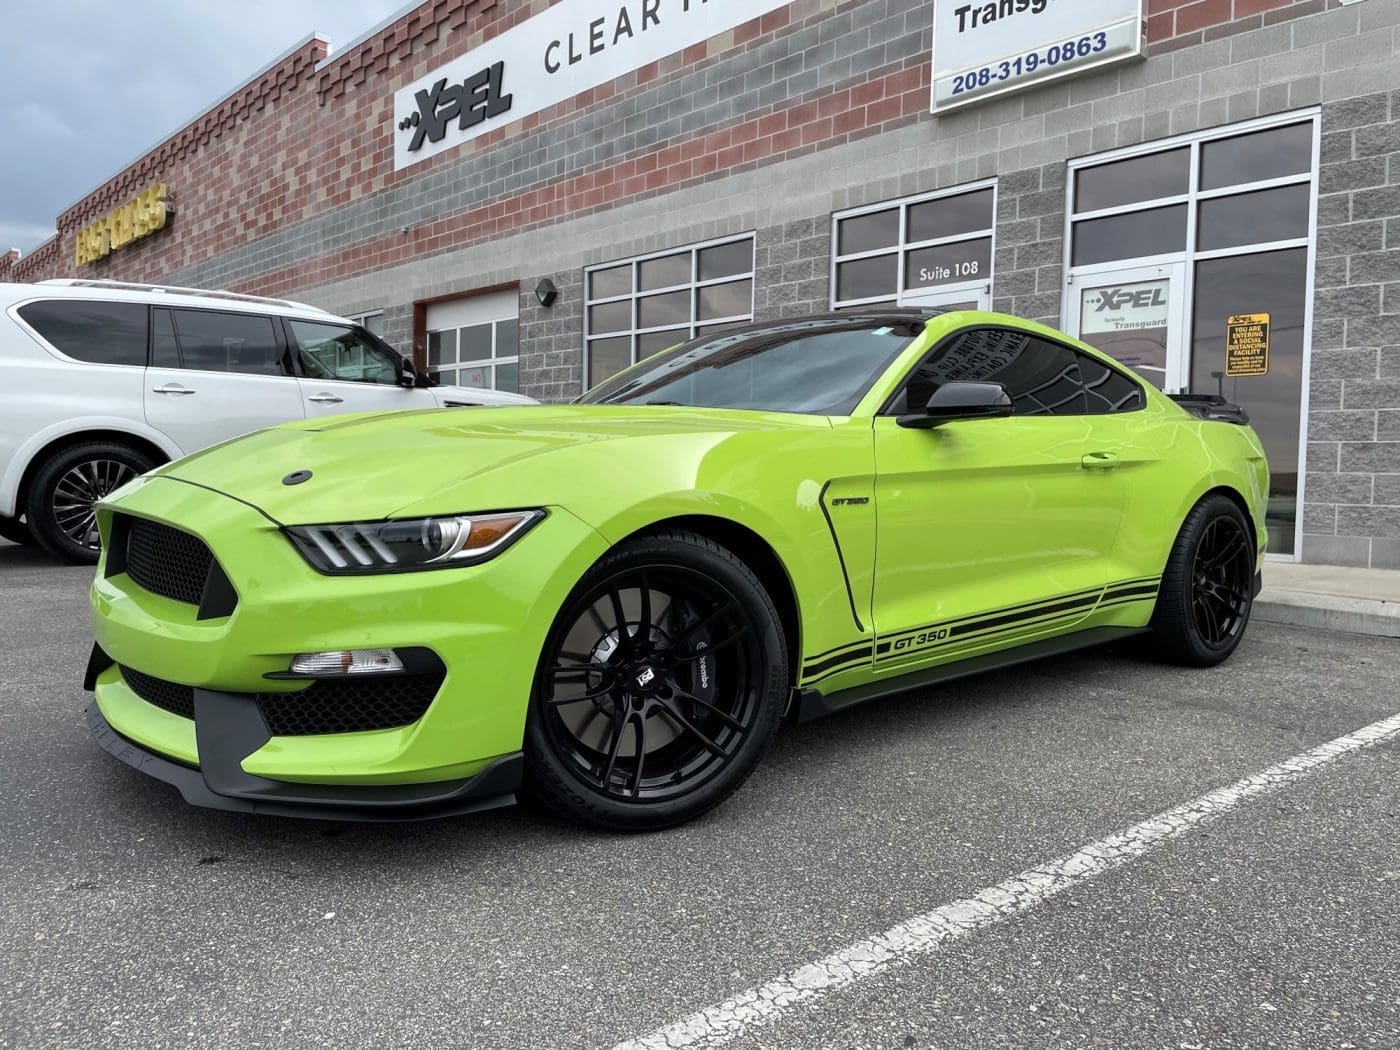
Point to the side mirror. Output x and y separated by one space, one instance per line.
406 373
953 401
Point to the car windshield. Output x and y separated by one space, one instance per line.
819 366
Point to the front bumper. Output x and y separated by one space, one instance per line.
486 624
230 727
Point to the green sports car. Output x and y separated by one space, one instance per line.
612 605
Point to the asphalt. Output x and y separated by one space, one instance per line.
130 919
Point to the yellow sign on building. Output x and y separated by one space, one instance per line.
136 219
1247 345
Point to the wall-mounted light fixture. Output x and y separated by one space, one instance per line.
546 293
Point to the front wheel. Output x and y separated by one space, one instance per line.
60 507
660 687
1207 590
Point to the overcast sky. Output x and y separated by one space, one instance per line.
90 85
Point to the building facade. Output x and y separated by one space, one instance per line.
533 195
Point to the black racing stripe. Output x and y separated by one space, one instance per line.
839 661
1029 614
837 649
1094 592
1125 592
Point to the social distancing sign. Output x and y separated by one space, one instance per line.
1247 345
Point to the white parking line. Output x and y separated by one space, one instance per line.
930 931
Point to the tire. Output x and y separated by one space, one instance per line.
1207 590
15 531
701 689
58 507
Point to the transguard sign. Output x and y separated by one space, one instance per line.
559 53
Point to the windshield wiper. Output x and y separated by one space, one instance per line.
666 403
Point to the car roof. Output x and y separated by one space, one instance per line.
120 291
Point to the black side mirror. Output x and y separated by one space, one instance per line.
958 400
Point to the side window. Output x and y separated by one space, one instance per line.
333 351
165 350
216 342
98 333
1041 377
1106 389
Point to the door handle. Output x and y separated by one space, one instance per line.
1099 461
171 388
325 399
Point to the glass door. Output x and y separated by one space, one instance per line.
1136 316
975 297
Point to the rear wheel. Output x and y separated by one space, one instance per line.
60 504
15 531
660 687
1207 591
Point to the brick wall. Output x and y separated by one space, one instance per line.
1353 480
290 181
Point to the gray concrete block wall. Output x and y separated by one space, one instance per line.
1352 485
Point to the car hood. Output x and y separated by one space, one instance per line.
390 464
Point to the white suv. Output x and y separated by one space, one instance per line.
101 381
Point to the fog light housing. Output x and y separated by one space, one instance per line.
348 661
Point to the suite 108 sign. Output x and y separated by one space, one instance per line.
983 48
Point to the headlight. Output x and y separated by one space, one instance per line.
410 545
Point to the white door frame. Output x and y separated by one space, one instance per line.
1178 361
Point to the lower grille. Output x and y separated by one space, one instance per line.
167 561
329 705
168 696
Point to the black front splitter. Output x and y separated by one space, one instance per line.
224 734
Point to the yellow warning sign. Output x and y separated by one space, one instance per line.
1247 345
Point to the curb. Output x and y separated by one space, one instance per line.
1328 612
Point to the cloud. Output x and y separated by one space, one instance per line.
90 85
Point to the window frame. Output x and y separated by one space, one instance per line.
887 408
903 247
457 365
687 330
294 351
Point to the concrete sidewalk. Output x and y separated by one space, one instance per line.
1361 601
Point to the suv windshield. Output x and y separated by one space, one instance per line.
820 366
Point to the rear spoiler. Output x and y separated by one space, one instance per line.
1211 406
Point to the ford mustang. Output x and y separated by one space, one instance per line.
613 605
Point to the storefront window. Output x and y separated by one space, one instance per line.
639 307
1170 247
898 252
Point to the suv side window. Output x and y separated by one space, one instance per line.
98 333
1042 377
335 351
1106 389
220 342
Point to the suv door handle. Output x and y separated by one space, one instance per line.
1099 461
171 388
325 399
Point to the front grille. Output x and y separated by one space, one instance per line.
167 561
349 705
329 705
177 699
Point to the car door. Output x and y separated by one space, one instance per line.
992 530
216 374
341 369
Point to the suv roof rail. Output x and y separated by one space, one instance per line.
215 293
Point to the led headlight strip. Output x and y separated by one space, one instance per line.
409 545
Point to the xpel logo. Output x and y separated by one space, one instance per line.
469 103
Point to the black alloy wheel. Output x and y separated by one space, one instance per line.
1221 582
660 687
1207 590
60 505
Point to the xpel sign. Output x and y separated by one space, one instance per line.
562 51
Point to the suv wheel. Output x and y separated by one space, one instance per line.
60 505
15 531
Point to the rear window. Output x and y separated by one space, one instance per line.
215 342
99 333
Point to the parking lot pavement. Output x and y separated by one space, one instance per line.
130 919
